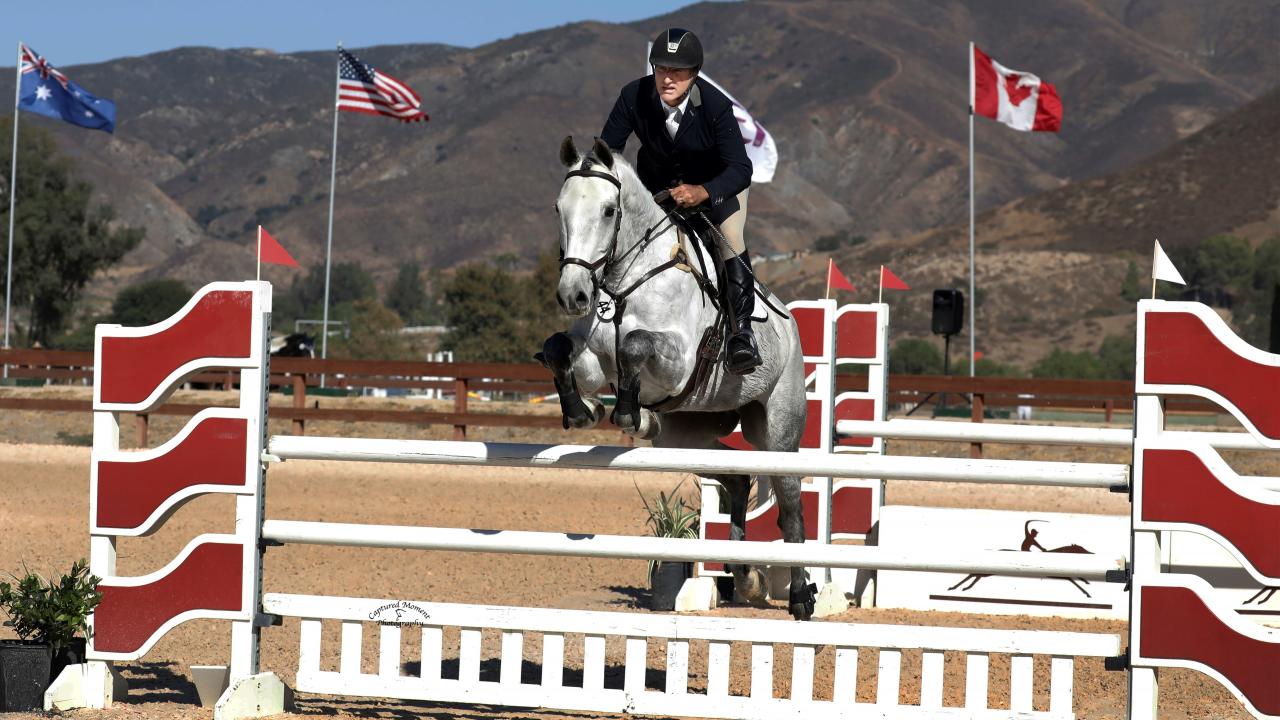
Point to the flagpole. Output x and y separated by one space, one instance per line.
13 186
880 296
973 298
1155 248
259 256
328 243
830 264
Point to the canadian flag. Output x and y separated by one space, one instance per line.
1018 99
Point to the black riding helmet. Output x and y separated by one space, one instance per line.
676 48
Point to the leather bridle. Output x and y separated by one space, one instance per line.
607 258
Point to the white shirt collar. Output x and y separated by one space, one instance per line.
681 107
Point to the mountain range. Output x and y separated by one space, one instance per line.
867 102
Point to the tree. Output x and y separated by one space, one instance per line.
375 334
914 356
1130 288
60 240
149 302
1064 364
1116 356
407 296
1221 270
496 316
349 283
986 367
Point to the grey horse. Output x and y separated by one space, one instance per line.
642 300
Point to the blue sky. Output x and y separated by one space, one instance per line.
87 32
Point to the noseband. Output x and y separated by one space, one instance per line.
617 225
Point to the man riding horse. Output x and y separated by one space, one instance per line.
648 318
690 144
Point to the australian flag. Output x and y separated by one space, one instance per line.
46 91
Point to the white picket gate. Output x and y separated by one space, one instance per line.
545 634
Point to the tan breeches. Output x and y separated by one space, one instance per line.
732 228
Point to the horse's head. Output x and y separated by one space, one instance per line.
590 213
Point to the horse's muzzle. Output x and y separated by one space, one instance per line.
575 291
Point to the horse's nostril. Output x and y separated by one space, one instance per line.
580 299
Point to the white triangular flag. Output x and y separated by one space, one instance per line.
1163 269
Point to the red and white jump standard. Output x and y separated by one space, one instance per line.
219 576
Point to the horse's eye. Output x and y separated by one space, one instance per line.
556 208
608 212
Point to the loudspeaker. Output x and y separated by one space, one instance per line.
948 312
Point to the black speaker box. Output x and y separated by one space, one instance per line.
948 312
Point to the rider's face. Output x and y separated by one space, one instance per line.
673 83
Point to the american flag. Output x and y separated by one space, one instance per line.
34 63
363 89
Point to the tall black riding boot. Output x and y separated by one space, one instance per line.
742 355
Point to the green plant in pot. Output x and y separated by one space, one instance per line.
670 517
46 616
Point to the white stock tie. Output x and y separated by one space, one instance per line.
673 122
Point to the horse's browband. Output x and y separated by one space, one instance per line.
587 172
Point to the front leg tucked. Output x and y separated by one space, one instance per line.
640 350
576 411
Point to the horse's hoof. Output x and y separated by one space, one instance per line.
753 589
802 601
802 611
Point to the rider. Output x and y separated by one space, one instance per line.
690 144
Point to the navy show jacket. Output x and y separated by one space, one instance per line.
707 149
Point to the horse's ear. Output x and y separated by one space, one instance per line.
602 153
568 153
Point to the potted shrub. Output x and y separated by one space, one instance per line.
669 516
46 616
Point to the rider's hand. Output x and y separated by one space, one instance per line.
689 195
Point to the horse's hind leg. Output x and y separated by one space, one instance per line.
558 355
702 431
777 424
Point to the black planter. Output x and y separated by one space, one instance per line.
665 581
24 675
72 654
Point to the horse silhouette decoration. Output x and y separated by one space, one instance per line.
1029 543
645 308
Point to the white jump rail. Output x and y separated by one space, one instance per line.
699 462
905 429
628 547
545 634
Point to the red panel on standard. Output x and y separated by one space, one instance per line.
220 325
1177 625
812 328
811 439
851 510
213 454
209 579
1177 487
856 409
1181 350
856 335
764 527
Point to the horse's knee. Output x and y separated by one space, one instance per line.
635 350
557 352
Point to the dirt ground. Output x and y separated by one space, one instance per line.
44 474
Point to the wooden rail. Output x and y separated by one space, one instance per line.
53 367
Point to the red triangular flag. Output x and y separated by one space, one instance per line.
270 251
889 281
836 279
